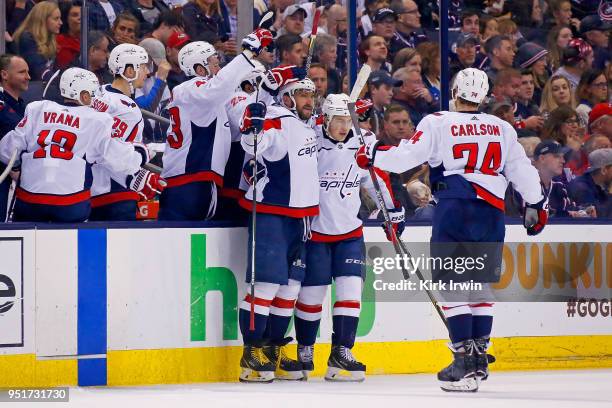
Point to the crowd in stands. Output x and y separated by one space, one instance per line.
548 63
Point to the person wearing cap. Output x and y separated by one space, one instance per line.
465 53
532 57
600 120
293 20
577 58
381 86
597 34
593 187
408 32
383 23
370 9
176 41
501 53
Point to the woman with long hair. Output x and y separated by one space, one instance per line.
563 126
69 39
592 89
35 39
430 69
557 92
556 42
409 58
489 27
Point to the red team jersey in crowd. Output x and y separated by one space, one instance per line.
109 187
480 147
59 143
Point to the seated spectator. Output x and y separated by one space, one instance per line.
102 14
501 107
176 41
527 110
318 74
465 53
532 57
430 54
325 52
580 163
373 51
600 120
371 6
69 39
577 58
203 22
412 94
529 144
397 125
35 38
593 188
557 92
97 56
290 50
561 15
557 40
469 21
508 28
488 28
167 23
500 51
16 13
294 17
592 89
381 86
384 23
562 126
407 58
597 33
525 13
147 12
408 32
125 30
337 22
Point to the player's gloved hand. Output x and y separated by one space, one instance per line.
397 221
366 153
253 118
363 108
258 40
278 77
142 149
146 183
250 168
536 216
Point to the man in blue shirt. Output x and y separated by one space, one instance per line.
592 188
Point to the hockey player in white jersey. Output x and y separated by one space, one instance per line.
128 63
58 143
473 157
337 249
198 142
287 197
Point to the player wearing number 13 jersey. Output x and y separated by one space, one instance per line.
473 157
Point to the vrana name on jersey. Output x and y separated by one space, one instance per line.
64 119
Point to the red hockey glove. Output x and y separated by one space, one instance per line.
258 40
146 183
536 216
253 118
363 108
278 77
397 221
366 153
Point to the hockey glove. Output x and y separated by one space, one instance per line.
363 108
253 118
397 221
278 77
536 216
366 153
142 149
258 40
249 169
146 183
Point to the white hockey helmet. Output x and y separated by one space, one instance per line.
76 80
471 84
335 105
253 77
127 54
302 85
194 53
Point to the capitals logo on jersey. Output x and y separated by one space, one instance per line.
347 183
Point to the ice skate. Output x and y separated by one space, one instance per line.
255 366
305 357
342 366
285 367
482 358
460 375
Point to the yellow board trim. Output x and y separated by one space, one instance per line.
217 364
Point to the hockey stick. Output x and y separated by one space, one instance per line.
155 117
9 166
313 37
360 82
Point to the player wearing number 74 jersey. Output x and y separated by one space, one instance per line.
473 157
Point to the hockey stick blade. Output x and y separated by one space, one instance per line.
360 82
313 37
9 166
267 20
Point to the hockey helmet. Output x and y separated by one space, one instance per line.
335 105
471 84
127 54
192 54
76 80
302 85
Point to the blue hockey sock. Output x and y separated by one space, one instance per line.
256 336
345 330
481 326
460 328
276 328
306 331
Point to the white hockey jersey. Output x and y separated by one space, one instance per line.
58 144
339 182
480 148
288 149
198 142
107 187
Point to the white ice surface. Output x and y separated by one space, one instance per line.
541 389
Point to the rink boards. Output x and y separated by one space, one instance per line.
121 306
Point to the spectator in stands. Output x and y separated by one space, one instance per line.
563 127
500 107
203 22
597 33
488 28
325 52
407 58
337 23
35 38
318 74
579 164
500 51
592 89
465 53
557 40
381 86
147 13
508 28
125 30
561 14
532 58
470 22
412 94
373 52
397 125
176 41
371 6
525 13
526 110
593 188
69 38
384 23
408 32
507 85
577 58
430 54
102 14
14 80
529 143
557 92
294 17
166 24
290 50
98 56
600 120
